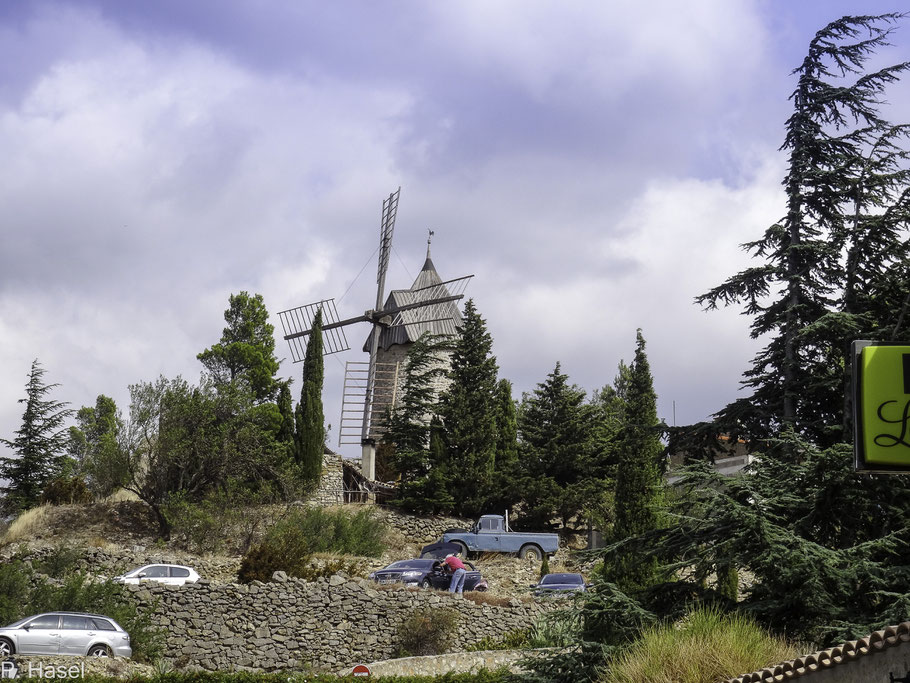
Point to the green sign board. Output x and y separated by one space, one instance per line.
881 406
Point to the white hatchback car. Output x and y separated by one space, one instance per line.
172 574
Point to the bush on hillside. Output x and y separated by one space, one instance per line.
224 519
66 490
291 542
14 584
61 561
426 632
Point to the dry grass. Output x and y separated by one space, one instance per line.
121 495
482 598
706 647
25 526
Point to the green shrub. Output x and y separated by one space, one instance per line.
676 652
544 566
518 639
228 518
61 561
268 557
292 541
426 632
66 490
728 581
14 583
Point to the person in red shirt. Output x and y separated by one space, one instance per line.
456 566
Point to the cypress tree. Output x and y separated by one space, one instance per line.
310 421
287 429
39 447
638 476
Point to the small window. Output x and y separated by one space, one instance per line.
46 621
101 624
181 572
156 571
488 524
74 623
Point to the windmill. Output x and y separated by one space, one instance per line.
426 306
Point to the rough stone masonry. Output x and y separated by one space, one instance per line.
325 624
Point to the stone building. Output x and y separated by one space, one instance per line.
398 335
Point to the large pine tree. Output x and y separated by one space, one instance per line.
39 447
412 440
468 412
554 431
246 352
827 270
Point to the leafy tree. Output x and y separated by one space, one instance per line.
310 432
39 447
246 352
185 441
468 412
554 431
638 478
835 266
94 444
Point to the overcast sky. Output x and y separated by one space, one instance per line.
595 165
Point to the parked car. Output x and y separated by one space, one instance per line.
427 573
560 584
65 633
491 534
172 574
439 550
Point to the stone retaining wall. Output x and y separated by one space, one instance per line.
421 529
327 624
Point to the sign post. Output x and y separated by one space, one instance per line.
881 407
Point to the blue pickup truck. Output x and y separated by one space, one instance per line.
490 535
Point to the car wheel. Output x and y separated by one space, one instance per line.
426 584
99 651
530 552
6 648
462 549
481 588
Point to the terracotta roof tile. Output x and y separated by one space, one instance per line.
825 659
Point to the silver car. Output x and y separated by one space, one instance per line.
65 633
172 574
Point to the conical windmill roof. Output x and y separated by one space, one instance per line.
444 318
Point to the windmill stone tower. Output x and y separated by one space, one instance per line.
371 387
443 319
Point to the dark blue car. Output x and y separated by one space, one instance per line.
560 584
427 573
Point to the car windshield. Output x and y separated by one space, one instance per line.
411 564
16 624
561 578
